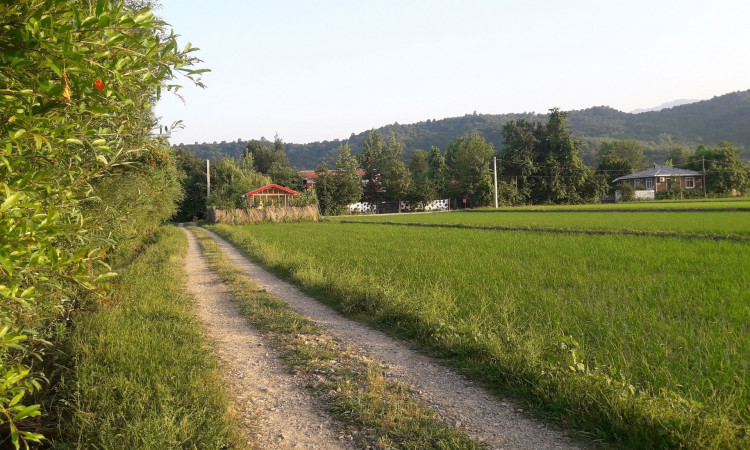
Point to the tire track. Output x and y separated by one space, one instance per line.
457 400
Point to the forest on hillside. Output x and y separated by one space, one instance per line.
723 118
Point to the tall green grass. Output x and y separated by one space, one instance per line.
144 376
719 222
639 340
729 203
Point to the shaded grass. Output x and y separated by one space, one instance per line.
375 411
638 340
144 376
716 224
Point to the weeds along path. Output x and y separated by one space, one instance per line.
457 401
275 410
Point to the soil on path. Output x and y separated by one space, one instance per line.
275 409
457 400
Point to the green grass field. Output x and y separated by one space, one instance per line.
640 340
144 375
729 203
713 223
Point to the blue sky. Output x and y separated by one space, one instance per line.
321 70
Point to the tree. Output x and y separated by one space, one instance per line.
544 158
468 161
371 160
618 158
437 171
679 156
336 190
725 171
286 176
229 181
422 187
264 156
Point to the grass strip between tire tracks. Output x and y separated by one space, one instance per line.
144 374
375 411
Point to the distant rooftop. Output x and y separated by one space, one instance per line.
659 171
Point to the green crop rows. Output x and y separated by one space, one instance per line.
641 340
713 223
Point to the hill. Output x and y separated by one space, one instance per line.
678 102
722 118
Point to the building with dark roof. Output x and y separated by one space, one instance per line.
663 178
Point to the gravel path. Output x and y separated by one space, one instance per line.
458 401
275 409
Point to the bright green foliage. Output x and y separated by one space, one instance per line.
145 377
688 221
638 339
468 161
76 160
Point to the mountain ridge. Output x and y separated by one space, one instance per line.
722 118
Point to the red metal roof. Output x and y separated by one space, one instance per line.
269 187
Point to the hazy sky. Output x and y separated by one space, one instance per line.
321 70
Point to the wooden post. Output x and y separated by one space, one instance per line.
703 162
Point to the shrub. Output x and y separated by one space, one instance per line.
627 192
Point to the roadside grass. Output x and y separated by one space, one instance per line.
637 340
713 224
143 374
374 410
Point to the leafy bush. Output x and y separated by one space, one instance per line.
627 192
79 169
679 194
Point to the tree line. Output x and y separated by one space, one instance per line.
539 163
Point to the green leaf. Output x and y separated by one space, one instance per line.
10 201
104 21
19 133
29 411
74 141
17 398
105 276
143 17
54 67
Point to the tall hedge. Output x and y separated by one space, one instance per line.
80 170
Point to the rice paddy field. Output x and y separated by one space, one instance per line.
640 340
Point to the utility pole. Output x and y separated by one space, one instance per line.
703 161
208 178
494 170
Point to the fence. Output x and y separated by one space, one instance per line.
393 207
264 215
